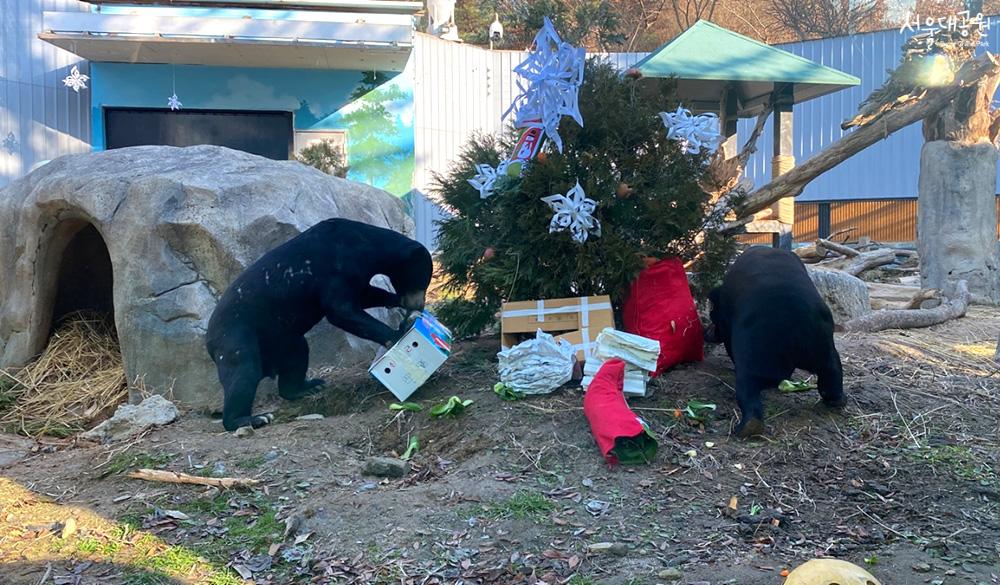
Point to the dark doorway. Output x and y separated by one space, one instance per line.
268 134
85 280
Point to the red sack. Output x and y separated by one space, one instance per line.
621 436
660 307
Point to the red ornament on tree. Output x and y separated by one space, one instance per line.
633 73
489 253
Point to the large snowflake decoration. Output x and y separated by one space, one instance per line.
486 178
694 133
10 143
76 80
574 212
553 71
173 103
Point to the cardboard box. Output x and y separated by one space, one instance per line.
586 316
418 354
585 347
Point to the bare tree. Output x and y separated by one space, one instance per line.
811 19
688 12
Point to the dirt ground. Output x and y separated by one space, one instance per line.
904 483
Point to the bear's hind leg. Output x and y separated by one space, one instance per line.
292 366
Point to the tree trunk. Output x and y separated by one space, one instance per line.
957 218
911 318
791 183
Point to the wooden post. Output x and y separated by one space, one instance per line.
728 118
783 161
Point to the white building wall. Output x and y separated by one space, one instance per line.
40 118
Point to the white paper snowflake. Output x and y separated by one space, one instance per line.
10 143
694 133
174 103
76 80
486 178
574 211
553 71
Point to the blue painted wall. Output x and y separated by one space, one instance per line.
378 118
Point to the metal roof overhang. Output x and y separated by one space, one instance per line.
703 94
364 6
245 42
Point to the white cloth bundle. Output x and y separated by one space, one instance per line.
634 350
537 366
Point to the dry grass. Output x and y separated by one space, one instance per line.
77 380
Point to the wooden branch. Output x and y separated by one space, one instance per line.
898 296
724 174
837 248
174 477
909 319
920 296
862 262
791 183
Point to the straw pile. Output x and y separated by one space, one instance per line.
78 380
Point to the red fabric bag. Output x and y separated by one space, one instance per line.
620 434
660 307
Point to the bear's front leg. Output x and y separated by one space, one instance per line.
751 403
374 296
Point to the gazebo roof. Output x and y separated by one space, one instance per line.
707 58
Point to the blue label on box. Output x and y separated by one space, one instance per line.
432 329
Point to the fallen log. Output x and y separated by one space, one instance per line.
862 262
898 296
175 477
837 248
921 296
913 318
810 254
794 181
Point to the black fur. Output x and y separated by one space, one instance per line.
772 320
258 327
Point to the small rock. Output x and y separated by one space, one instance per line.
922 568
243 432
613 548
310 417
670 574
132 419
951 572
597 507
271 455
367 487
386 467
69 528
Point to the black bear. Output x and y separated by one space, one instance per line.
258 327
772 320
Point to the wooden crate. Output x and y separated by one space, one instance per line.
586 316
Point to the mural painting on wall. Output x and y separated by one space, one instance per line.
374 110
379 126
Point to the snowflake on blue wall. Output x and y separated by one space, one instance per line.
10 143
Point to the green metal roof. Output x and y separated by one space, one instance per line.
713 56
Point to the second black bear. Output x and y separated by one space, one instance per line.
258 327
772 320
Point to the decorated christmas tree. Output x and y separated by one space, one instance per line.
590 208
